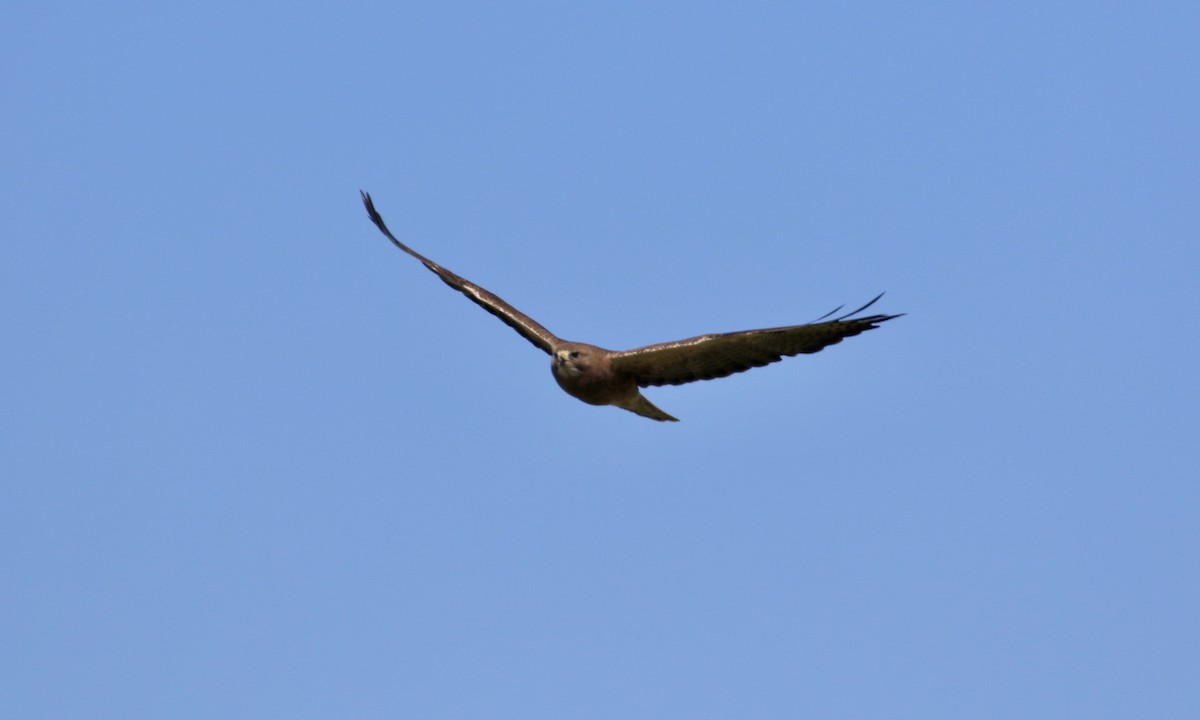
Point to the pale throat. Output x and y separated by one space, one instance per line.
565 369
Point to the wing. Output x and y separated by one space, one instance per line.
508 314
714 356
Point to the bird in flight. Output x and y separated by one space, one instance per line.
604 377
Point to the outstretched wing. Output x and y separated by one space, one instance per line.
714 356
511 316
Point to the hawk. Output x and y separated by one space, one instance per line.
604 377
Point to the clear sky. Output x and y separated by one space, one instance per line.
256 463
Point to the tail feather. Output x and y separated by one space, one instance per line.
640 405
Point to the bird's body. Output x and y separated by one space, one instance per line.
604 377
586 372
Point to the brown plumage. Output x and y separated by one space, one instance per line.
603 377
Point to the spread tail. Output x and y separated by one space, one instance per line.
640 405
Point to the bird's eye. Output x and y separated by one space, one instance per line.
574 355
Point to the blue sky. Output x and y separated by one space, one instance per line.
257 463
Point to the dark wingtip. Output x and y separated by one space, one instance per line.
864 307
839 307
366 198
850 315
376 217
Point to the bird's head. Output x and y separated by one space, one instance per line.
571 360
